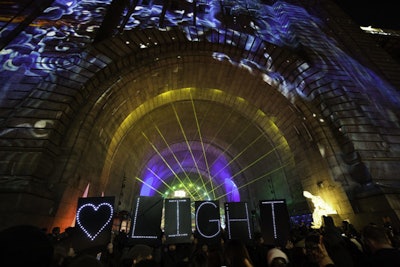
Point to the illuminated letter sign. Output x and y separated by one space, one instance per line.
146 219
275 221
208 225
177 220
238 224
94 221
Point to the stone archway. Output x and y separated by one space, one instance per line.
134 82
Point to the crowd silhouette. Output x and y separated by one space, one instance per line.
330 245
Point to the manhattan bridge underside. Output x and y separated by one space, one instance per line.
222 100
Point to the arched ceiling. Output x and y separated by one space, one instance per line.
182 94
204 138
194 115
191 121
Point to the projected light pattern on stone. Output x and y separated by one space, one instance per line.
69 26
55 43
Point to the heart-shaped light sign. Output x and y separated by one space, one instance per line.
93 219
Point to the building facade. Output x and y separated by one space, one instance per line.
224 100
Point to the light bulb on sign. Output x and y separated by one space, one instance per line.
95 208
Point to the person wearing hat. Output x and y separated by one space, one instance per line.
277 258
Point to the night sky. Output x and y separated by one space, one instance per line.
380 14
